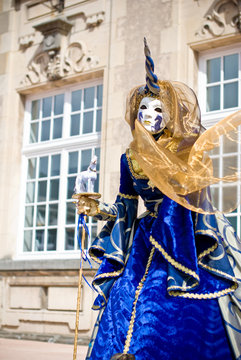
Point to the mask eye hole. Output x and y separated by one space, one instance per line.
143 107
158 109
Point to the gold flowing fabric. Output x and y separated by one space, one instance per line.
181 162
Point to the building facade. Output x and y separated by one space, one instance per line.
65 70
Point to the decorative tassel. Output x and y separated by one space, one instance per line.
123 357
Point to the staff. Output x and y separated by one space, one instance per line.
84 191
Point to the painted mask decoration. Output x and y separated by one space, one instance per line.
150 115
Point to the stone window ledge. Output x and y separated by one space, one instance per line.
48 264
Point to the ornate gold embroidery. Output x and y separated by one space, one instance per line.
207 232
204 296
93 257
98 247
176 287
128 196
115 257
110 274
152 214
207 251
101 212
100 292
172 261
130 164
218 271
137 294
207 224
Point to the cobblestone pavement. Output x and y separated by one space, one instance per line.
11 349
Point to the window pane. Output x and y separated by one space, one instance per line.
75 125
213 98
30 192
89 94
99 95
69 239
35 109
47 104
93 232
230 165
52 237
59 104
96 188
54 189
32 168
227 190
233 221
86 156
53 214
234 211
230 66
98 120
88 122
229 146
215 196
230 95
39 240
76 100
70 187
45 133
70 213
55 165
42 190
213 70
34 132
29 216
85 239
27 243
43 166
57 131
73 162
97 153
216 166
40 218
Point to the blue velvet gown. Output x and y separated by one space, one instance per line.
177 315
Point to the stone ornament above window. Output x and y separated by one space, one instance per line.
48 66
56 58
26 40
223 17
95 19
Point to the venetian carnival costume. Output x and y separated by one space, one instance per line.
169 281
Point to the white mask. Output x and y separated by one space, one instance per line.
150 115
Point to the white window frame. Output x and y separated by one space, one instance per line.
213 117
57 146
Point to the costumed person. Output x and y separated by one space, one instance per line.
169 280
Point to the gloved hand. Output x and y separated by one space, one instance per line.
87 206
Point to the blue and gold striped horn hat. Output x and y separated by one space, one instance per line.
151 78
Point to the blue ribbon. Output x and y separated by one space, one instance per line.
82 222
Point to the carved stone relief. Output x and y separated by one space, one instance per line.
55 58
95 19
54 65
223 17
26 41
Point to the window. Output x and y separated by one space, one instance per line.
62 134
219 96
222 86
